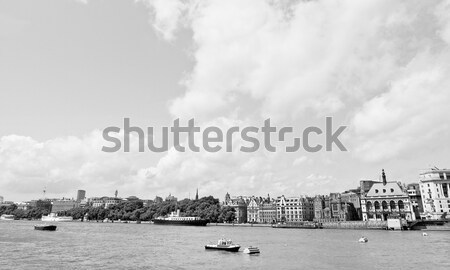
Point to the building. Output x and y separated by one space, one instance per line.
63 205
171 198
267 210
239 205
435 187
253 209
335 207
23 205
416 199
158 200
295 209
45 204
1 199
105 201
386 200
81 195
355 199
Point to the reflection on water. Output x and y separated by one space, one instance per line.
78 245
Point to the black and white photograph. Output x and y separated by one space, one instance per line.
224 134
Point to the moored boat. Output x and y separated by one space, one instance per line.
54 217
45 227
6 217
175 219
225 245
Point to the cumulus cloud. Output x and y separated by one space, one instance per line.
379 65
63 165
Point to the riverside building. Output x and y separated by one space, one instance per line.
295 209
434 186
386 200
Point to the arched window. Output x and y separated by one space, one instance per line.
385 205
392 205
377 205
368 206
401 205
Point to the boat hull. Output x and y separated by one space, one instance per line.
224 248
45 227
200 222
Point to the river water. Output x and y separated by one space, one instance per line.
77 245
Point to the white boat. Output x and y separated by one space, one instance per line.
54 217
225 245
6 217
251 250
363 240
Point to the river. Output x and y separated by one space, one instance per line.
77 245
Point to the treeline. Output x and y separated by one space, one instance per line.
32 213
207 208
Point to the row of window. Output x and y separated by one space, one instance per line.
384 190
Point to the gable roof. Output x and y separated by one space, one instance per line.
390 189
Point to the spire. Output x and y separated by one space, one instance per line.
196 195
383 176
115 193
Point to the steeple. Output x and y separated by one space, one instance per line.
383 176
196 195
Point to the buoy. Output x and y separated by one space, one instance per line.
363 240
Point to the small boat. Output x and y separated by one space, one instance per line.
226 245
251 250
54 217
6 217
424 234
45 227
363 240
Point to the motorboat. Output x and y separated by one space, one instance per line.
424 234
223 244
251 250
363 240
45 227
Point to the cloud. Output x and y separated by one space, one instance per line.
374 63
63 165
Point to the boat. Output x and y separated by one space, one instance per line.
6 217
45 227
53 217
363 240
176 219
251 250
225 245
298 225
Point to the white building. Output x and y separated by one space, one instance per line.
295 209
434 187
253 210
386 200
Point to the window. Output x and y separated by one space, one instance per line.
392 190
384 191
376 190
401 205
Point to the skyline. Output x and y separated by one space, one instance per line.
70 69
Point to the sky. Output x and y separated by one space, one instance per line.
71 68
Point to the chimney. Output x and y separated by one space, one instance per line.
383 176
